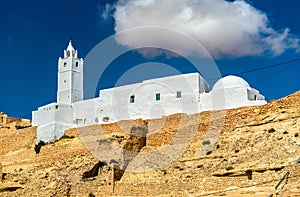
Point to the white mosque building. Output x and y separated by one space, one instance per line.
149 99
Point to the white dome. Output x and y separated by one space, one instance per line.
231 82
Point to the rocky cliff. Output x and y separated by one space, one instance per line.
249 151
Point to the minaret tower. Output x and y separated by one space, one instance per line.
70 77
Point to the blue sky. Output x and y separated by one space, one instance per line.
34 33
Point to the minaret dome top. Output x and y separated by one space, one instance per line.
70 51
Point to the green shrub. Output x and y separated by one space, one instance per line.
206 142
37 147
66 137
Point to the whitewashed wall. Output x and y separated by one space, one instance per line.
70 80
146 106
229 98
114 104
52 120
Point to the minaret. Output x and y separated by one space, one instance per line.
70 77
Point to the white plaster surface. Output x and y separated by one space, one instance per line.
231 92
51 121
116 104
70 77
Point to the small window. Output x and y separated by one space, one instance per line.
76 64
105 119
157 96
56 107
65 81
65 64
132 98
178 94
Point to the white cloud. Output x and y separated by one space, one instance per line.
224 28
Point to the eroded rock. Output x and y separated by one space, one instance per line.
1 173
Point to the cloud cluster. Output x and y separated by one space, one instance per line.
224 28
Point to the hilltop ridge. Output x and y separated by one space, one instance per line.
243 152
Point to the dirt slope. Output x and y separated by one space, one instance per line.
240 152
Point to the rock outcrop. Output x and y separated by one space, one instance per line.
249 151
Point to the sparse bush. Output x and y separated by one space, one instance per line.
206 142
20 126
272 130
91 195
66 137
37 147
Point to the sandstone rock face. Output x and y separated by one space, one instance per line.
239 152
1 174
